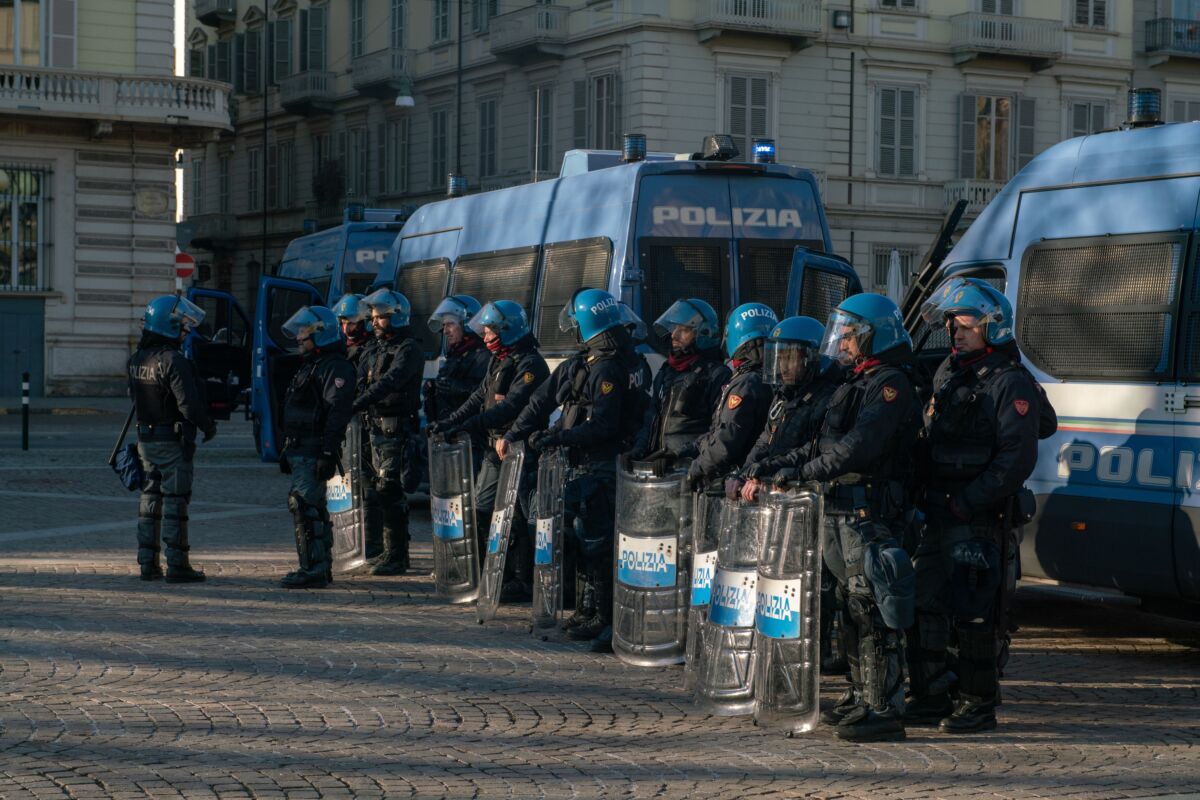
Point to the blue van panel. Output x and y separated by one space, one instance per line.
1078 211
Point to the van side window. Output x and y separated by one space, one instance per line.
761 267
501 275
1101 307
424 284
675 268
566 268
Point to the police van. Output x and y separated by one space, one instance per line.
316 269
1096 245
649 228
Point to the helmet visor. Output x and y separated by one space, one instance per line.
449 310
303 324
959 297
638 330
381 300
566 320
681 312
188 313
845 335
351 309
787 363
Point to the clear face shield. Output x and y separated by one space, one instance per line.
566 320
301 325
188 313
682 313
788 363
449 310
844 338
959 297
638 330
488 316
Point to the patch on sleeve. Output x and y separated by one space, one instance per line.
339 382
733 402
889 394
1022 406
529 377
606 387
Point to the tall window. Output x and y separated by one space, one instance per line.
196 68
358 171
281 49
220 64
541 128
20 32
23 207
272 177
396 156
995 136
1088 118
1091 13
439 145
747 110
996 6
597 112
398 9
488 135
897 3
252 63
254 179
284 181
320 151
223 193
314 26
357 31
197 185
896 132
481 12
881 258
1185 110
441 20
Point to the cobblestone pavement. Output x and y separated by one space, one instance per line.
111 687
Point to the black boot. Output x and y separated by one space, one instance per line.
844 707
869 725
305 520
971 715
585 607
184 574
928 709
515 592
175 536
152 571
395 537
148 532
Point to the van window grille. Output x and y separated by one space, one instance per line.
424 284
1100 308
763 272
821 292
503 275
680 270
567 268
1189 345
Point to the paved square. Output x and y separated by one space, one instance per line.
111 687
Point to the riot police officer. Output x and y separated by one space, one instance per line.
980 445
687 388
862 455
169 403
353 314
391 398
603 394
516 371
742 406
465 359
316 410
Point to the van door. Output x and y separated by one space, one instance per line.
1185 404
818 283
220 348
276 357
1097 306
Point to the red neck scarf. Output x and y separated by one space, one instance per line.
865 365
681 363
497 348
466 343
970 358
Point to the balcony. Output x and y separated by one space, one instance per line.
178 102
796 20
1039 41
309 92
977 193
383 73
213 231
216 12
530 34
1168 38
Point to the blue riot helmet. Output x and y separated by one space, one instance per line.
748 322
391 304
351 308
317 322
792 353
590 313
972 297
863 326
507 317
170 314
458 308
693 313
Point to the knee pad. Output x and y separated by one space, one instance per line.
933 632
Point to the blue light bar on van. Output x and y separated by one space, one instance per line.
456 185
764 151
634 147
1145 107
310 226
355 212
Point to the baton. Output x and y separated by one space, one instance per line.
112 458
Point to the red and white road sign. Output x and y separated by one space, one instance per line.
185 265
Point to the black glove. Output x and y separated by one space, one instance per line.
285 466
695 476
788 476
358 406
542 440
444 386
434 428
209 434
761 470
326 466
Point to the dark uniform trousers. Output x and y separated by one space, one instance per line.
163 508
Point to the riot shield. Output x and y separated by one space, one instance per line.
452 506
499 535
787 617
650 574
345 498
708 516
548 544
725 672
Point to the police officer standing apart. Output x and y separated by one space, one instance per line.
862 455
316 411
741 410
603 394
464 363
170 408
981 433
352 312
516 371
688 387
391 398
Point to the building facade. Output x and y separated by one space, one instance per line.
901 106
91 118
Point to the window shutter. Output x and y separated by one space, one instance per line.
1079 119
317 19
1100 13
886 134
224 59
196 63
62 27
908 132
987 6
738 104
1025 130
1098 114
613 113
239 61
758 112
580 113
211 59
253 62
966 136
304 41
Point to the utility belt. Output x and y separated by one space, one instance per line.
1019 509
299 440
392 425
857 496
166 431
